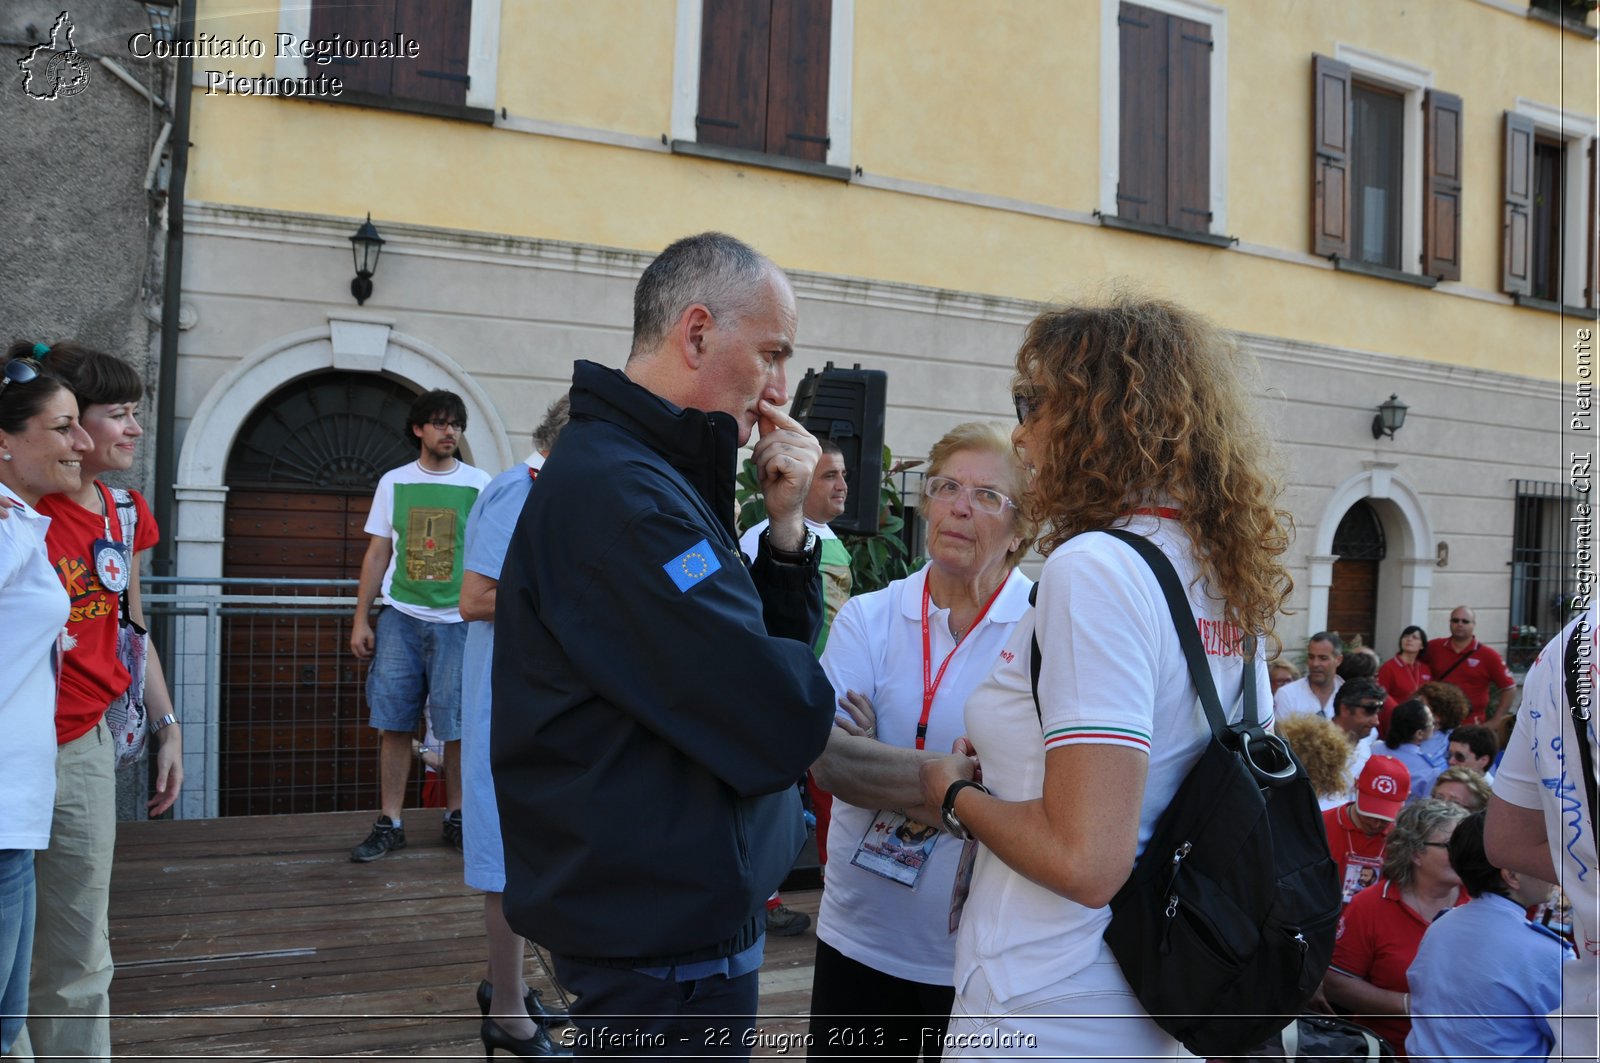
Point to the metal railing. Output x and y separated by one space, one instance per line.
272 700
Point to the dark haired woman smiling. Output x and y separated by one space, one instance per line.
41 447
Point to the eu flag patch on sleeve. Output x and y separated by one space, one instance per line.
692 566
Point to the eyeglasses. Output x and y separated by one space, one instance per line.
1457 620
1026 400
1370 709
1458 757
983 499
18 371
441 425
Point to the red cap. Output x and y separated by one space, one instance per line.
1383 787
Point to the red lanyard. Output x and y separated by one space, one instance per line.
1164 512
930 686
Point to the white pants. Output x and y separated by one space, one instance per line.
1091 1015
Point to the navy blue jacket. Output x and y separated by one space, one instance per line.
655 701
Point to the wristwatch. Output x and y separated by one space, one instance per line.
793 557
947 811
157 726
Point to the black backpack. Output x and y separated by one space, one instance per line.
1225 927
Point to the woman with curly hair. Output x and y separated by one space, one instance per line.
1131 415
1325 753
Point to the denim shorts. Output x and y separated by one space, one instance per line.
417 663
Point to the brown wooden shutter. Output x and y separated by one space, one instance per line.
735 39
1517 262
1189 125
1593 289
1441 170
1143 106
797 86
443 32
1330 157
357 20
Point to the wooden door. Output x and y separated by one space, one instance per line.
1360 547
294 734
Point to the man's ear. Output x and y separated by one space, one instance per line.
416 430
692 330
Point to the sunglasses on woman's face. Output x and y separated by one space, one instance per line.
17 371
1026 400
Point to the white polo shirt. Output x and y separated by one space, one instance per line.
1298 697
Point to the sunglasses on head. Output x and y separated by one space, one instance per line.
18 371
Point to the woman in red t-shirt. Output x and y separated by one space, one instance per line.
72 965
1403 673
1382 927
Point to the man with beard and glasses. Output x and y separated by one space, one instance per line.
419 514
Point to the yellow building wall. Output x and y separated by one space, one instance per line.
1000 98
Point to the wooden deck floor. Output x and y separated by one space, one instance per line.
257 939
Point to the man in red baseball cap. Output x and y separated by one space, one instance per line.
1357 829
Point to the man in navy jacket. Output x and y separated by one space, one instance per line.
655 700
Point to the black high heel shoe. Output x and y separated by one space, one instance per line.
533 1000
537 1046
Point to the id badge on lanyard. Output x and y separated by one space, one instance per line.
896 848
113 561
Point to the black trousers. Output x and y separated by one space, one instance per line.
861 1013
620 1012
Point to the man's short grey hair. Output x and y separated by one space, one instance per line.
555 419
714 269
1331 638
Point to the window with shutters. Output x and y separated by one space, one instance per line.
764 82
1386 168
1162 121
452 74
1549 218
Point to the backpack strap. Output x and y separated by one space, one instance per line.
1188 637
1580 722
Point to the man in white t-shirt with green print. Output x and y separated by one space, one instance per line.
417 523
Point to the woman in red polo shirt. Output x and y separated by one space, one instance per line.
1382 928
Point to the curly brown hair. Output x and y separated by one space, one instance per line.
1450 706
1322 748
1140 400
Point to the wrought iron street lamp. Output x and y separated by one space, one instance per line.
366 245
1390 419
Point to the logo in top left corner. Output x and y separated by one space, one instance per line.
56 68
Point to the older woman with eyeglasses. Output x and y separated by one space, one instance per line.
1382 927
41 452
903 660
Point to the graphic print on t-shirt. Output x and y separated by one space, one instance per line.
430 544
429 519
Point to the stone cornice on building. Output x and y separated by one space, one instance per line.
328 231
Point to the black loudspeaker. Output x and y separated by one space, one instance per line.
847 406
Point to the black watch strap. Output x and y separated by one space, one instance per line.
793 557
947 811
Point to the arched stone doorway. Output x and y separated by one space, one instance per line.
348 343
1360 547
1404 580
300 478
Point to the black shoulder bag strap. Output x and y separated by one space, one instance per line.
1193 652
1580 723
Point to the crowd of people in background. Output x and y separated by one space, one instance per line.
594 644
